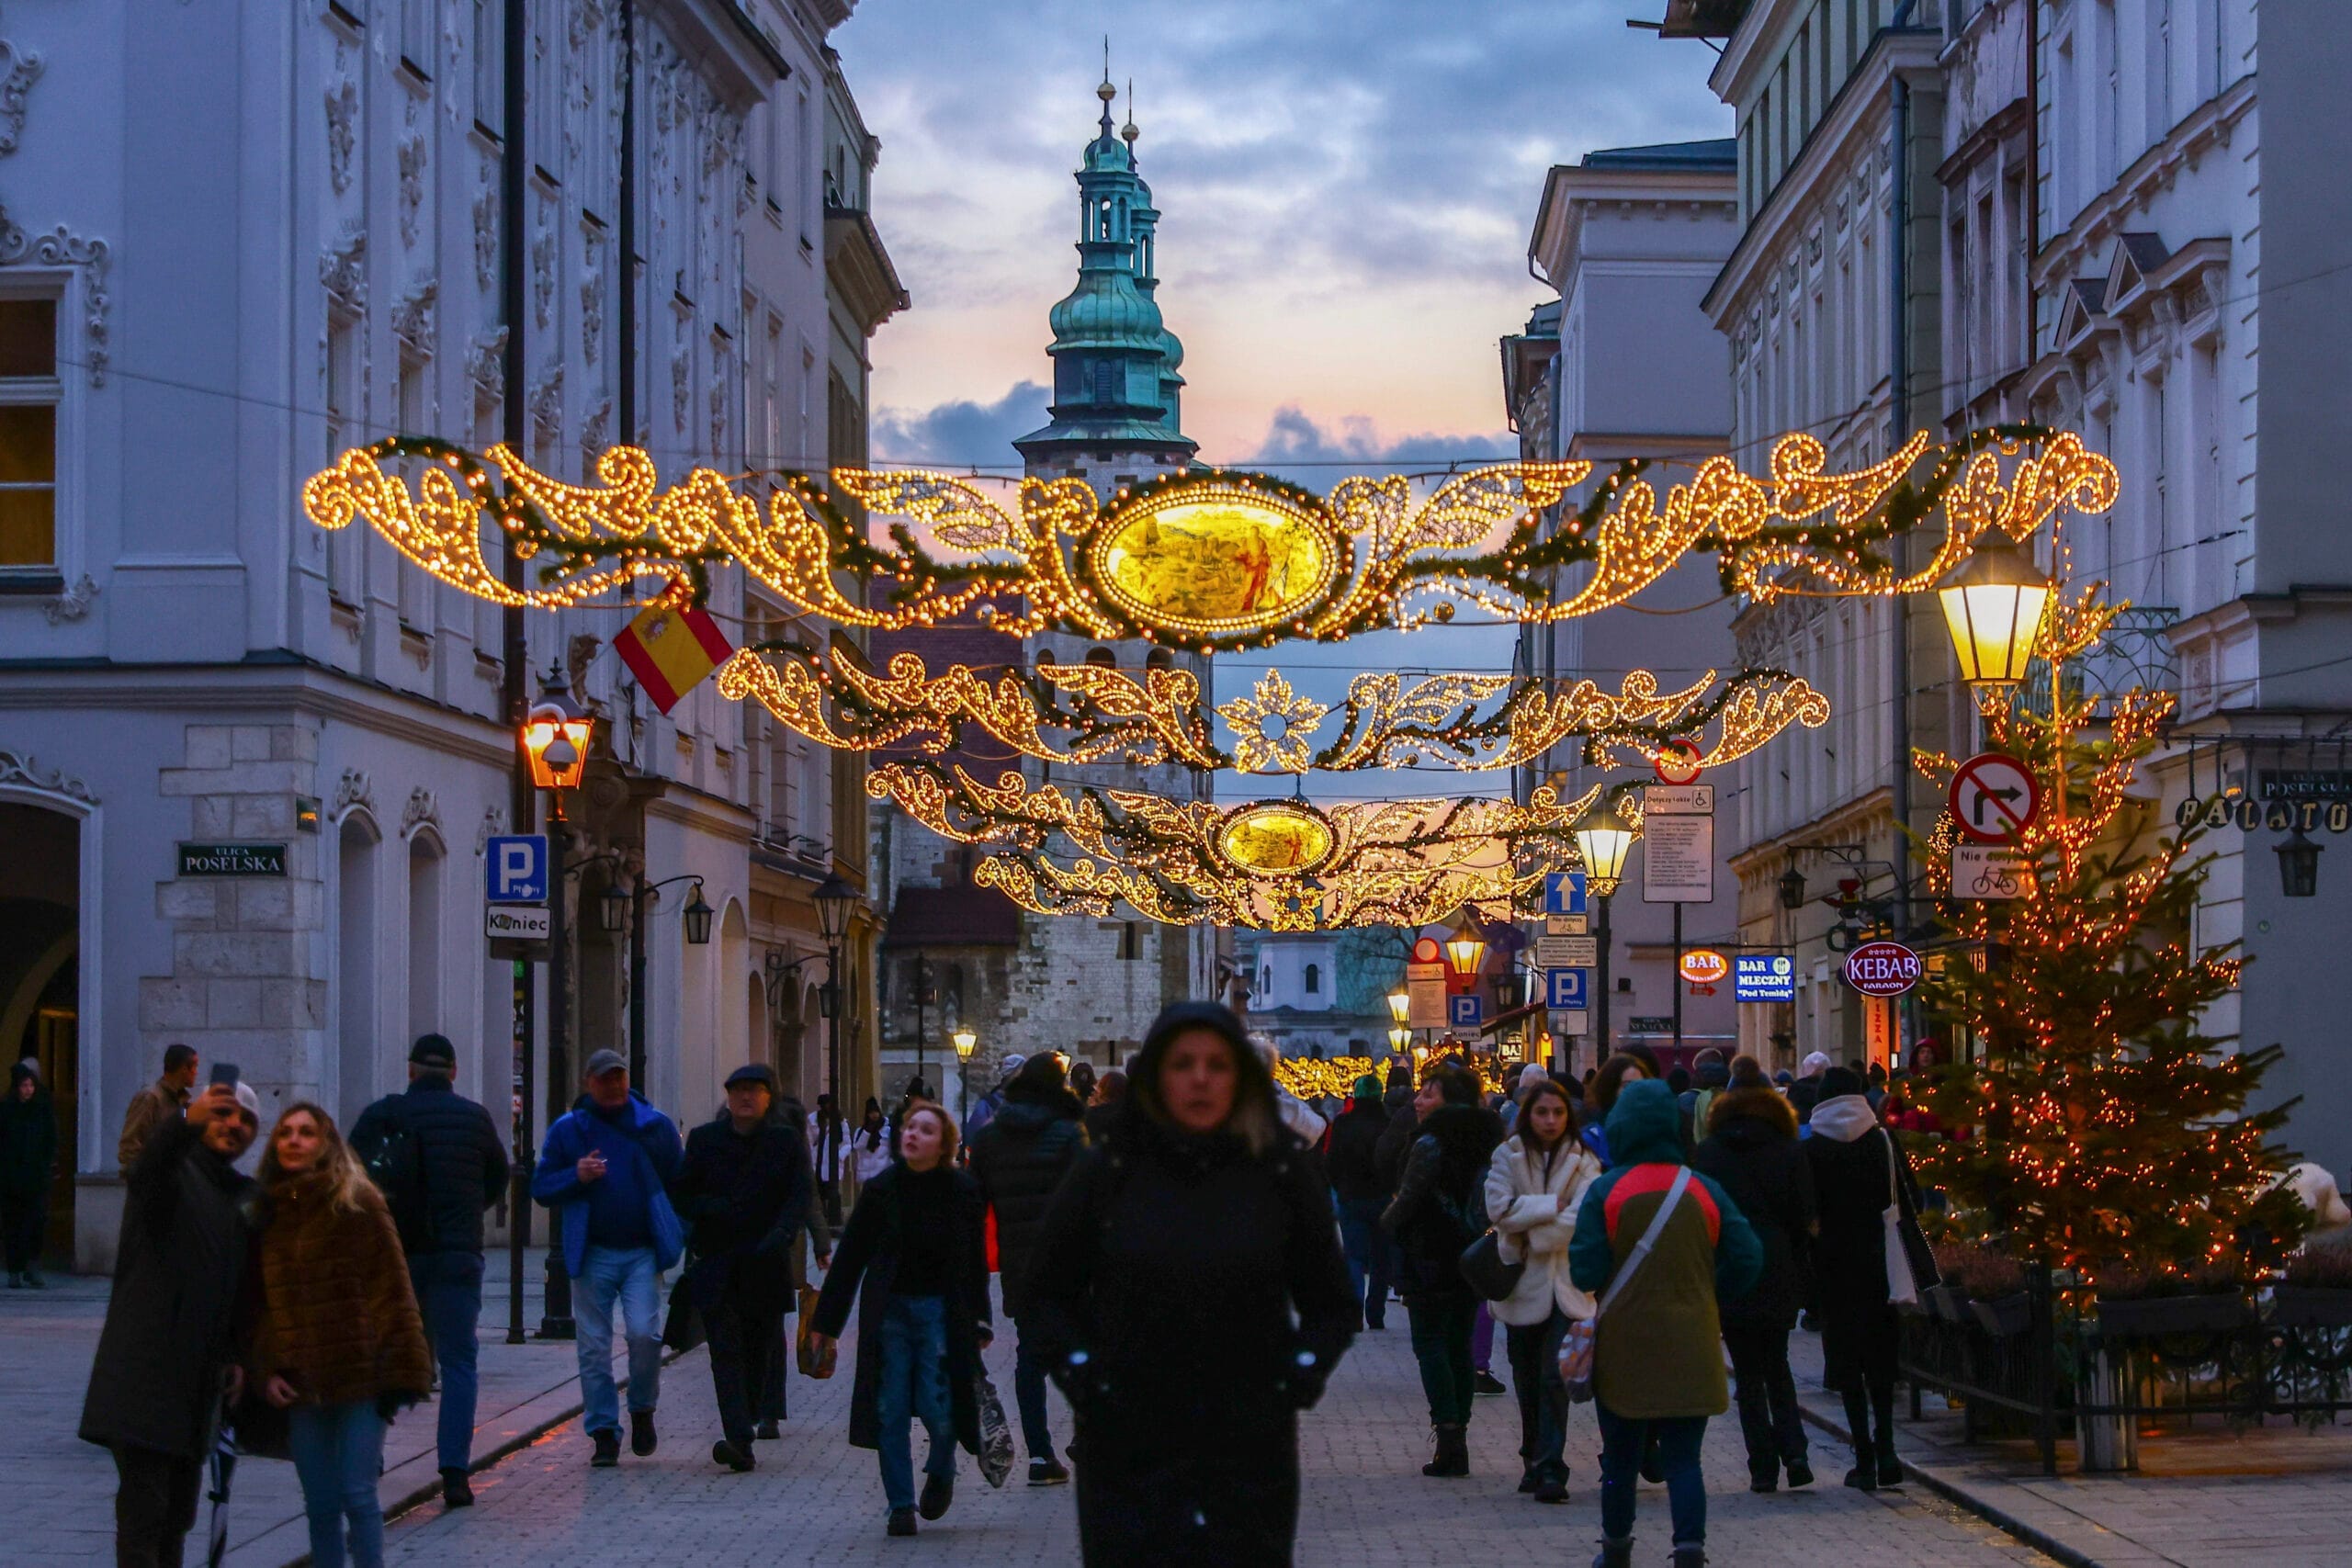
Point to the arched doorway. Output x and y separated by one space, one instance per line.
40 979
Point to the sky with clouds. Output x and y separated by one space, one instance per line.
1348 187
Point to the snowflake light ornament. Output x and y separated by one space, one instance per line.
1272 727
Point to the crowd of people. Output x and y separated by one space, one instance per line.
1185 1250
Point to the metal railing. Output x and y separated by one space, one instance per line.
2133 652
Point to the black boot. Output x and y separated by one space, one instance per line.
1890 1468
1614 1553
642 1439
1863 1477
1690 1557
1453 1455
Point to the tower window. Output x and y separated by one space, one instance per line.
1131 938
1313 983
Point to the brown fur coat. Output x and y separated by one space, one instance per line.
338 1318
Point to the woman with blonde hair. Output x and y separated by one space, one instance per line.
340 1345
915 1258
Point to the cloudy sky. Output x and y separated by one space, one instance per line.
1348 187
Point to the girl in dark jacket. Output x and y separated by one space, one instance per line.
1858 1170
1439 1209
1751 1151
1188 1292
917 1240
28 1161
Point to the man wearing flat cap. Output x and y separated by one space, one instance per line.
743 1193
603 1171
439 1159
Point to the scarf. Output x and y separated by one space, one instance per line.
1843 1118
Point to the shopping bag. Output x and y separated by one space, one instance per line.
813 1362
996 1433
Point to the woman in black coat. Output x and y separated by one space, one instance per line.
918 1243
1189 1293
1439 1209
1751 1151
1858 1170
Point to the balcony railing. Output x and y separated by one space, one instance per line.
2132 653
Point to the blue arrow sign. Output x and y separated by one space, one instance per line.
1568 990
516 868
1563 892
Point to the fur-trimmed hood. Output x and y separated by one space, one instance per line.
1759 1103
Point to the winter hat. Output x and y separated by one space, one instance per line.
28 1068
1840 1080
1816 1062
753 1072
248 1102
433 1051
1012 1060
1367 1088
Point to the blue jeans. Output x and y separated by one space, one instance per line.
1367 1247
1029 1394
914 1382
1678 1454
627 1275
448 1295
338 1453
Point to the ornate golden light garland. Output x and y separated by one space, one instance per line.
1208 560
1087 713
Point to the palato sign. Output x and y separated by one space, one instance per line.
1883 968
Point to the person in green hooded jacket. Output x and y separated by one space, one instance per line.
1658 1356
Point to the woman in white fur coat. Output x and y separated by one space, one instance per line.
1534 1184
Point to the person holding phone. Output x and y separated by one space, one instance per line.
172 1346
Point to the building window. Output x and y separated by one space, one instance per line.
1131 938
343 425
490 65
415 588
28 394
416 36
1312 983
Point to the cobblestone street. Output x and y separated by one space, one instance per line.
816 1500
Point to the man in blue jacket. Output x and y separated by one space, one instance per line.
603 1171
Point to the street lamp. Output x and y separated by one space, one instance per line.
965 1041
1400 1004
1993 606
1465 949
835 898
1603 840
2299 864
1400 1040
1792 887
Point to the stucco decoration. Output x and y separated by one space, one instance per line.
542 274
546 402
591 300
343 133
486 231
596 425
342 271
422 810
62 247
681 371
72 605
486 364
494 822
415 321
412 155
18 72
353 789
20 768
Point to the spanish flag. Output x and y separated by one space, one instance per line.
670 651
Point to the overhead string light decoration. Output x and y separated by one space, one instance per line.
1209 559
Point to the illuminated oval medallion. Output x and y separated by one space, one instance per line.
1278 839
1213 560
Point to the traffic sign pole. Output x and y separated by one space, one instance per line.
1678 977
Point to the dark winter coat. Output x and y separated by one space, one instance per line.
1441 1205
1395 1143
1352 1161
556 1184
1098 1121
1859 1331
1019 1159
743 1199
863 1265
459 1153
182 1306
1751 1150
338 1318
28 1145
1189 1295
1657 1351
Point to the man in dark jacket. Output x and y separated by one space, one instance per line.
1362 1191
174 1340
441 1163
1019 1159
743 1192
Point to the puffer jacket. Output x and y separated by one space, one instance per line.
1019 1159
459 1153
1439 1207
338 1316
1532 1201
1752 1150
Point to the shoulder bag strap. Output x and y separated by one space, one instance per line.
1649 1238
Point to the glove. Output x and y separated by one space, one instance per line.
1302 1384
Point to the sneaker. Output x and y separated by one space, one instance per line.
1529 1481
1048 1472
641 1438
902 1521
1552 1489
1486 1383
768 1432
1800 1473
1764 1483
456 1490
734 1457
608 1449
938 1491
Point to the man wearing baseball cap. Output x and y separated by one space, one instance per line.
603 1172
172 1348
439 1159
744 1192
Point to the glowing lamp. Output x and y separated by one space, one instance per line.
1400 1040
1465 949
1993 606
1604 839
1400 1005
964 1042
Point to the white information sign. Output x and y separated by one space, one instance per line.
1678 859
517 922
1678 800
1567 952
1987 871
1566 925
1425 988
1573 1021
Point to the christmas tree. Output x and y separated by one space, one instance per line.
2106 1130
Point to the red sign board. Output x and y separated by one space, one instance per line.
1676 764
1994 798
1883 968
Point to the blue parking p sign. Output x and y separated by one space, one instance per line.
1465 1012
516 868
1568 990
1563 892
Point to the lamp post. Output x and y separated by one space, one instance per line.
834 899
556 737
1603 838
1400 1040
1993 606
626 907
923 997
965 1041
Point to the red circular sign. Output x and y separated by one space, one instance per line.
1994 798
1677 763
1883 968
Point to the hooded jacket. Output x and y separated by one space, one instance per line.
1019 1159
1751 1151
1533 1201
1439 1207
1352 1161
28 1139
1658 1351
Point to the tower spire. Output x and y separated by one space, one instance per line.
1107 92
1129 132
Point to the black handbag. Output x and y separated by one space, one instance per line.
1487 1274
